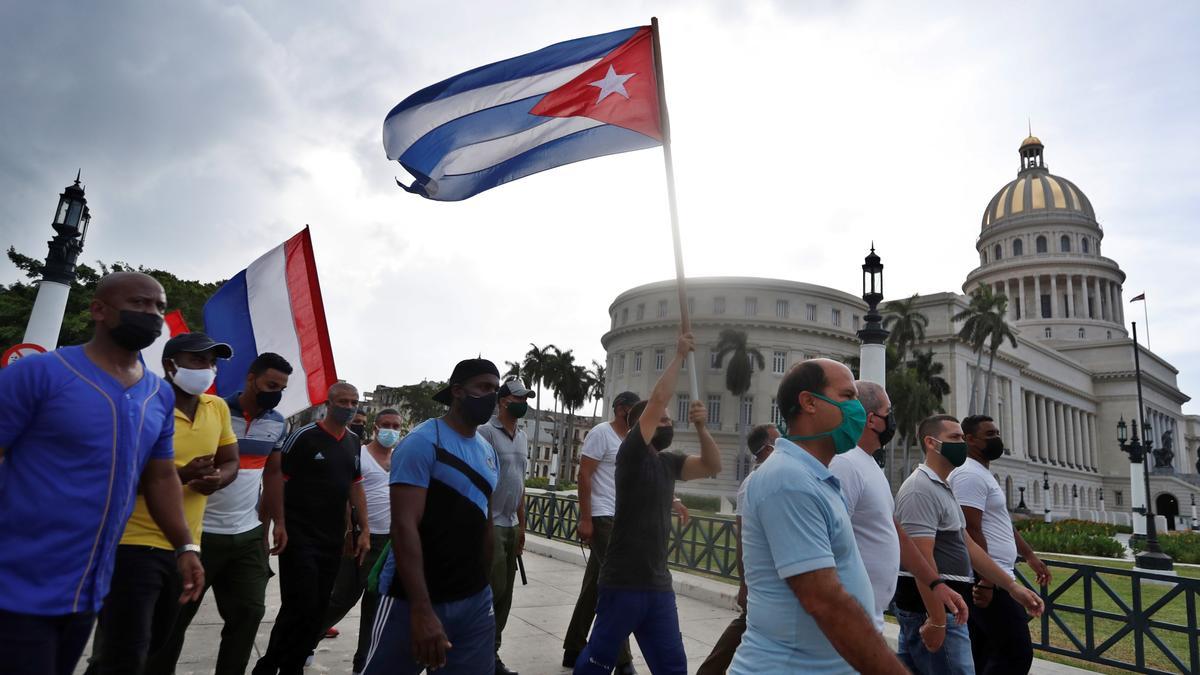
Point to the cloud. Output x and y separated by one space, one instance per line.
209 132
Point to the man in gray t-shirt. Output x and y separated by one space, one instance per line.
508 499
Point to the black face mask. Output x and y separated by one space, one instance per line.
359 429
662 438
889 428
267 400
341 415
993 449
478 409
137 330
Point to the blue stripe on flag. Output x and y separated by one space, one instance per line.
485 125
543 60
594 142
227 319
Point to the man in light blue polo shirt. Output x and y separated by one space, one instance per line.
810 600
81 430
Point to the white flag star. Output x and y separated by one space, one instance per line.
612 84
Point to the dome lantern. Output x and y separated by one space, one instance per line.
1031 154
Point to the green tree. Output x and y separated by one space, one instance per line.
930 371
740 371
416 401
906 323
984 324
912 401
16 299
596 386
536 369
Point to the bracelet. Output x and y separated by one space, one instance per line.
935 583
936 625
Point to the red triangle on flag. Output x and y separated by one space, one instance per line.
621 89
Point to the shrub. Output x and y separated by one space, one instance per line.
1183 547
1076 537
1074 526
701 503
537 482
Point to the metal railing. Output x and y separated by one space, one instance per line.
1138 621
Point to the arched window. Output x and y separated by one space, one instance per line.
983 257
1041 244
1064 244
1049 332
1082 333
998 252
1018 247
1085 245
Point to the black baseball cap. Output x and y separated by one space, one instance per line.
515 388
626 398
195 342
464 371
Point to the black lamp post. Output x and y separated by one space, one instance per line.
71 220
1101 497
1153 557
1021 507
1195 522
1046 494
872 331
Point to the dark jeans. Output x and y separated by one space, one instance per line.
585 606
651 616
42 645
235 567
348 587
307 571
139 612
722 653
1000 642
504 570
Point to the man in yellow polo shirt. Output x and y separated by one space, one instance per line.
144 598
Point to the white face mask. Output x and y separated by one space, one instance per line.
388 438
193 381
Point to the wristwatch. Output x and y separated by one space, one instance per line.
187 548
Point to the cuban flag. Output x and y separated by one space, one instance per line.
275 305
567 102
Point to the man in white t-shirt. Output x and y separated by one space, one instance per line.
1000 641
351 582
881 542
761 443
597 504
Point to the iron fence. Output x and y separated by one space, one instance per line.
1137 621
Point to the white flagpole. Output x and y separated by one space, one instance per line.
1146 314
680 283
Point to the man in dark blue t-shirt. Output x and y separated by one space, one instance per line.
436 609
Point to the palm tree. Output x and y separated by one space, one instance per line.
560 374
536 367
742 360
930 371
906 323
912 401
979 322
1000 331
514 370
596 386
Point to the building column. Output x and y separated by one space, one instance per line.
1113 308
1060 433
1037 297
1083 288
1039 407
1054 311
1071 297
1030 426
1077 422
1099 298
1095 446
1068 414
1088 448
1024 309
1051 433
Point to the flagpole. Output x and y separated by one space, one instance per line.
680 282
1146 314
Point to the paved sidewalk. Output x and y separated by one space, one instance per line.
536 627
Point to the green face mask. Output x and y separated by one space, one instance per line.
955 453
845 435
518 409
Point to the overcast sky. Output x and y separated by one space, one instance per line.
209 132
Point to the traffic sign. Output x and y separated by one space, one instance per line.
19 351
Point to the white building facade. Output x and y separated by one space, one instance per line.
1057 396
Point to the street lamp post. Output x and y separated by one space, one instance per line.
1074 501
71 220
1046 494
872 354
1153 557
1101 496
1021 507
1195 522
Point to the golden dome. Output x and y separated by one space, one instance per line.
1037 191
1031 140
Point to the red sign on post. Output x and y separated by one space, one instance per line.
18 351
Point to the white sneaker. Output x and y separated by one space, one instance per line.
309 661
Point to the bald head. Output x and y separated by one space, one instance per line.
811 375
118 284
341 390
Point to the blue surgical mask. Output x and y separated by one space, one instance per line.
846 434
388 438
